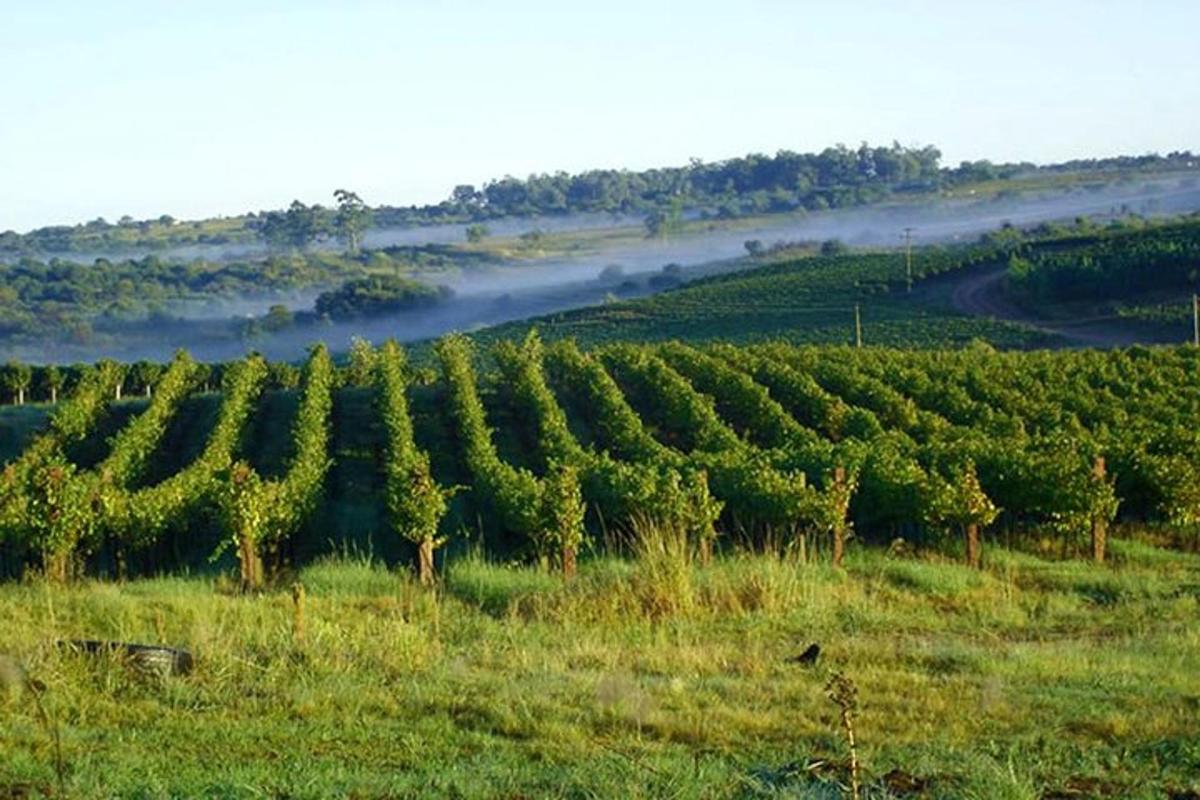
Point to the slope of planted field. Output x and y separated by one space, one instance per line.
1124 282
678 524
803 300
1109 265
541 449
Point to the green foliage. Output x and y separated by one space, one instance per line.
514 495
296 227
377 295
140 517
352 218
62 299
1111 264
796 299
747 441
256 513
958 501
16 377
415 502
562 510
363 362
39 499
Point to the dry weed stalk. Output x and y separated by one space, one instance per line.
843 693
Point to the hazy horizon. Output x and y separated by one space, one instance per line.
216 110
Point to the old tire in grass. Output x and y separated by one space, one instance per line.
151 659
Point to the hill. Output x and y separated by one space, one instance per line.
1006 290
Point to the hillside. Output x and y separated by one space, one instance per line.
1131 281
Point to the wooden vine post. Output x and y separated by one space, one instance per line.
568 561
298 621
249 564
1099 523
974 551
425 561
839 528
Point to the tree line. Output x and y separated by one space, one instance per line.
834 177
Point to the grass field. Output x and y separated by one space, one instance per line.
642 678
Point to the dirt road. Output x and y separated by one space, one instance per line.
981 293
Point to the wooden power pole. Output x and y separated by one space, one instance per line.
1196 320
857 327
908 256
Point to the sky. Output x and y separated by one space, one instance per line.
203 108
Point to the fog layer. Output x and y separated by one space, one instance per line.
521 289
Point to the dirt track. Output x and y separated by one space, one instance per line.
981 293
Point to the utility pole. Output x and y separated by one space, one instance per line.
908 256
1196 320
857 327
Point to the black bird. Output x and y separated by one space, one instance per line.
808 657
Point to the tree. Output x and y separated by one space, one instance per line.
143 375
279 317
377 295
476 233
833 247
52 380
296 227
466 196
754 247
352 218
661 223
16 377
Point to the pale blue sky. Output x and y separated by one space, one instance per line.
203 108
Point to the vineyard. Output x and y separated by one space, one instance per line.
536 451
1163 258
805 300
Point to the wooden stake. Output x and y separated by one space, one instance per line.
839 530
1099 524
568 562
425 562
974 557
298 613
250 564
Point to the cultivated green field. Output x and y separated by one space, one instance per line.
1103 277
524 569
